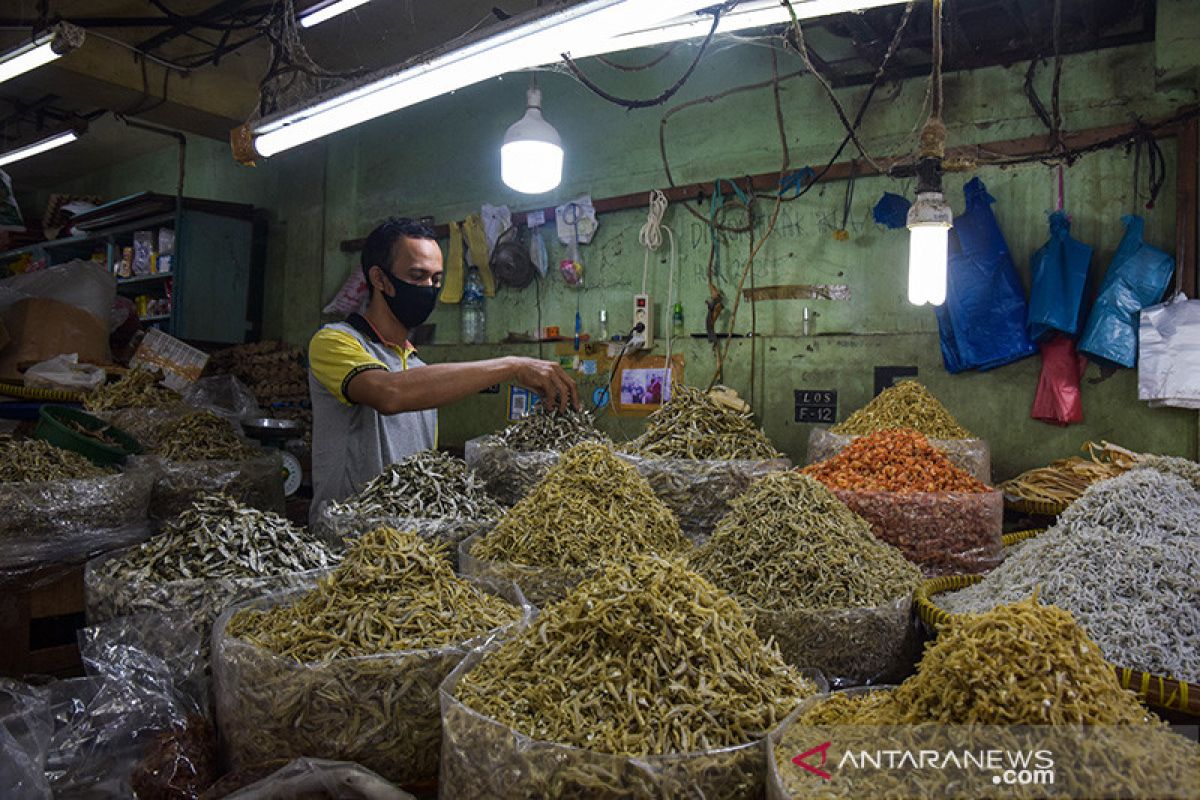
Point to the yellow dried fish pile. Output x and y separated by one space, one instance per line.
694 425
645 659
139 388
590 507
908 404
32 460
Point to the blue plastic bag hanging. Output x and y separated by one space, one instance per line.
1060 271
982 323
1137 277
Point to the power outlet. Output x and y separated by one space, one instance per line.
643 313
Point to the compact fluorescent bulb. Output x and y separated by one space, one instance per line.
744 16
41 146
326 11
527 40
929 222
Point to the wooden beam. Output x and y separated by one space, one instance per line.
798 291
967 157
1186 205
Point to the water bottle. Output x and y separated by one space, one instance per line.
473 320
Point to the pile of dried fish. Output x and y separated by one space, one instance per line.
1018 665
430 492
1123 559
32 460
512 462
591 507
645 659
203 436
350 669
831 595
908 404
138 389
1062 482
214 555
694 425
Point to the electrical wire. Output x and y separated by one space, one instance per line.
138 52
651 233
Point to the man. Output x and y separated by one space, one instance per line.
374 402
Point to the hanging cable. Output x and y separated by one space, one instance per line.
651 233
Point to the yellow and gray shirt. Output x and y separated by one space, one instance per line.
354 443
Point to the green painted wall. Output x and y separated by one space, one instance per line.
441 158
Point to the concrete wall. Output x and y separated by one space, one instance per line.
441 158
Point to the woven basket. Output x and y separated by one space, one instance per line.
1041 507
1153 690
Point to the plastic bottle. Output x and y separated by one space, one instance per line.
474 320
677 320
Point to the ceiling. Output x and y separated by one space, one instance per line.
226 48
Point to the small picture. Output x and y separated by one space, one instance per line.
645 387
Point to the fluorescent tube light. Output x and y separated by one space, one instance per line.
41 146
326 11
744 16
526 40
61 39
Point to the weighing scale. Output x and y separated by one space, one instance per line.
280 434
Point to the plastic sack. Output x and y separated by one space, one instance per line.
10 212
1169 354
25 731
82 284
317 778
982 323
1136 278
486 760
1058 399
55 522
225 396
257 483
66 373
507 474
1060 273
540 585
380 711
944 533
351 297
850 646
699 491
339 529
972 455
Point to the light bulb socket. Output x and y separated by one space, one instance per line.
930 210
67 37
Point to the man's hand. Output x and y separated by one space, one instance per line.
548 380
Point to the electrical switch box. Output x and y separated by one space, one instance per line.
643 314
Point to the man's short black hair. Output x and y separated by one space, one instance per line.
378 247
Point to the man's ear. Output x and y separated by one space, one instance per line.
376 279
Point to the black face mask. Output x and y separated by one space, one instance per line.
411 304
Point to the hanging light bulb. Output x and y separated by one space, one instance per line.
929 223
531 158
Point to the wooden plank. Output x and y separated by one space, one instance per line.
966 157
64 596
1186 205
798 291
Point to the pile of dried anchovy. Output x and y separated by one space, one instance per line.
203 436
429 484
32 460
695 426
819 583
1018 665
908 404
350 670
644 659
138 389
550 430
1123 559
590 507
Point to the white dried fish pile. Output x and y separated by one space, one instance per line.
1123 559
426 485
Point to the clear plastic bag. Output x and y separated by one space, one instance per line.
317 778
508 474
25 731
380 711
57 522
486 760
225 396
944 533
339 529
64 372
257 483
972 455
697 491
850 646
540 585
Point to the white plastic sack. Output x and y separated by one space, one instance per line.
1169 353
83 284
496 220
351 297
65 372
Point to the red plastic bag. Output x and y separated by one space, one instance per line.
1058 399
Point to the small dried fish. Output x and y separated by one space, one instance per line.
203 436
139 388
429 484
908 404
32 460
693 425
